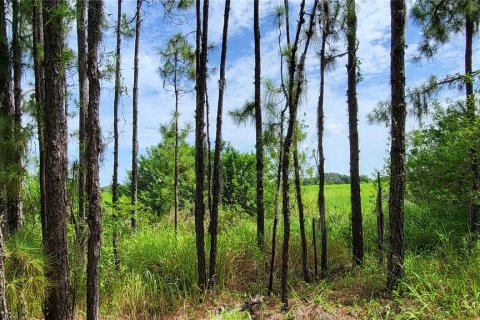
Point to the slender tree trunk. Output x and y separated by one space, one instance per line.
176 173
56 303
280 162
15 218
470 103
7 110
314 237
83 101
37 27
3 289
116 99
397 153
95 16
134 190
258 128
201 80
277 207
218 150
208 155
296 81
321 157
357 228
380 223
301 216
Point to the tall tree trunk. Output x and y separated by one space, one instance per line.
397 153
208 147
258 128
470 103
6 116
56 303
95 16
277 207
380 223
357 228
280 162
314 240
321 157
116 99
134 187
296 81
15 218
201 80
218 150
176 173
37 27
83 101
3 289
301 216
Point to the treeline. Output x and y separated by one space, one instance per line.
334 178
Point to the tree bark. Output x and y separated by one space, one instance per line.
116 99
7 110
470 103
83 101
15 218
277 196
321 156
218 150
397 153
201 80
258 128
95 16
357 227
176 173
37 26
208 147
314 240
56 303
134 187
280 162
301 216
380 223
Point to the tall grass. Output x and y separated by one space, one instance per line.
158 274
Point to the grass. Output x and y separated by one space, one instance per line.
158 273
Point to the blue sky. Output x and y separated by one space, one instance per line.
156 104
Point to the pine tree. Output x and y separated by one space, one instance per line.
258 127
116 98
352 71
95 16
201 81
134 186
37 26
396 253
176 71
55 122
295 85
218 150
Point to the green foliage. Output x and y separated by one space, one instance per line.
25 267
177 64
155 173
438 163
439 20
239 180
